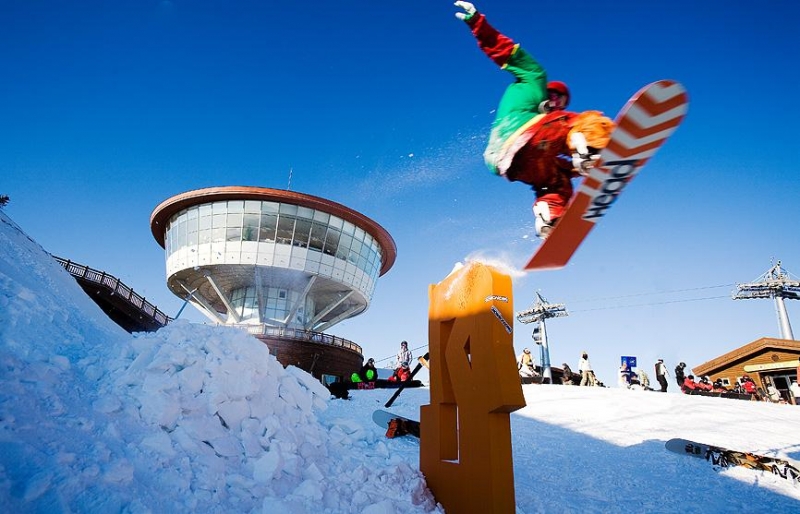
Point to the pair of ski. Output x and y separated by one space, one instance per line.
724 457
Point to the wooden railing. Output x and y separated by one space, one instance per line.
114 285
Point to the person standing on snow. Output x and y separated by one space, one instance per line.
624 376
680 374
404 357
585 368
795 390
534 139
644 380
566 378
662 374
403 354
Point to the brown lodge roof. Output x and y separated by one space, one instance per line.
759 345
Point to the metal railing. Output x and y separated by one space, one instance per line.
298 334
114 285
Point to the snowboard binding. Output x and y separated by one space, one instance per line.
399 427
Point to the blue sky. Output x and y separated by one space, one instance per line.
110 107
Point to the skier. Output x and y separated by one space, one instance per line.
705 384
795 390
644 380
680 375
401 374
534 139
624 376
403 354
585 368
773 394
526 364
566 378
662 374
689 384
368 371
748 385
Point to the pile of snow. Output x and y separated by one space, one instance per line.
190 418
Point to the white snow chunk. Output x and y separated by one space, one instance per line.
268 466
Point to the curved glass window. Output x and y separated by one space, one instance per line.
269 223
317 238
285 230
245 303
302 228
279 223
250 227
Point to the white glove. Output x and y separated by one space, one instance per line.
469 10
583 163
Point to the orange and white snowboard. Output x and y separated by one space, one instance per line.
643 125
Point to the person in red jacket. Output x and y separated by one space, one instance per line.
534 139
689 384
401 374
705 384
748 385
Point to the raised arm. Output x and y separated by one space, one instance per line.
498 47
505 53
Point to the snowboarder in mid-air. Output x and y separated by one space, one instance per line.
534 139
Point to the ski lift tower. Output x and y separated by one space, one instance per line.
777 284
538 313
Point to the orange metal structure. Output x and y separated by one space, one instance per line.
465 447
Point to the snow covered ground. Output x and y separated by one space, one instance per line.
202 419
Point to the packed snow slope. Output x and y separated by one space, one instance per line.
189 419
202 419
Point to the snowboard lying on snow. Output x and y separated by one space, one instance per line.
394 424
723 457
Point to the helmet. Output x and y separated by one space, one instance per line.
560 88
404 364
526 350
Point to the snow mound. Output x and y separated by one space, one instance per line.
192 417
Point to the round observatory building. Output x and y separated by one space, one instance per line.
283 265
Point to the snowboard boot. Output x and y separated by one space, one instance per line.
584 163
396 428
543 221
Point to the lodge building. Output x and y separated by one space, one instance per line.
766 361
